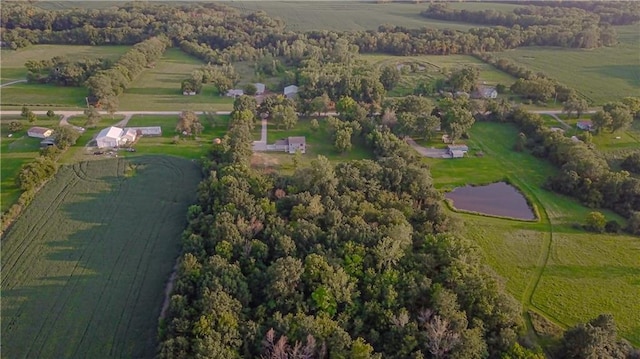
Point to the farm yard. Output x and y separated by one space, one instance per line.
83 269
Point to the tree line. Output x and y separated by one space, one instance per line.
105 86
63 71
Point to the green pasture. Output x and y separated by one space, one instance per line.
545 263
601 75
85 266
158 88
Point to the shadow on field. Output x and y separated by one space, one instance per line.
91 282
630 73
600 272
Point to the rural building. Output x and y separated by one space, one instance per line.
446 139
585 125
290 91
146 131
47 142
235 92
260 88
290 145
485 92
189 93
39 132
115 136
457 151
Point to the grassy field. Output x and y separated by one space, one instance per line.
38 95
601 75
551 266
85 266
158 89
432 66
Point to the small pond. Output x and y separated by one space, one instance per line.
496 199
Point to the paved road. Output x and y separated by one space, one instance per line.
12 82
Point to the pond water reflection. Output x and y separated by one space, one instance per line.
497 199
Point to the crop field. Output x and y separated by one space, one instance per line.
553 268
158 88
600 75
346 15
429 67
85 266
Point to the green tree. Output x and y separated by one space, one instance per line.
521 142
343 139
250 89
15 126
631 163
595 222
65 136
575 104
185 122
314 125
284 115
51 114
621 119
389 77
601 120
633 225
25 111
595 339
93 116
31 117
464 79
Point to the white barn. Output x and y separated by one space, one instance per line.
115 136
260 88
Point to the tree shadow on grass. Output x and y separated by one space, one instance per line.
93 285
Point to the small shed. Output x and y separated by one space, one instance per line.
47 142
260 88
457 151
235 92
290 91
39 132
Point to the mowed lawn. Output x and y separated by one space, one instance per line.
44 95
601 75
563 272
158 88
85 266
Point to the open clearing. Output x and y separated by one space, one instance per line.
566 274
158 88
601 75
85 266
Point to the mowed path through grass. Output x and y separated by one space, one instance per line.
85 266
564 273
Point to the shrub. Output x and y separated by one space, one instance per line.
612 226
595 222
